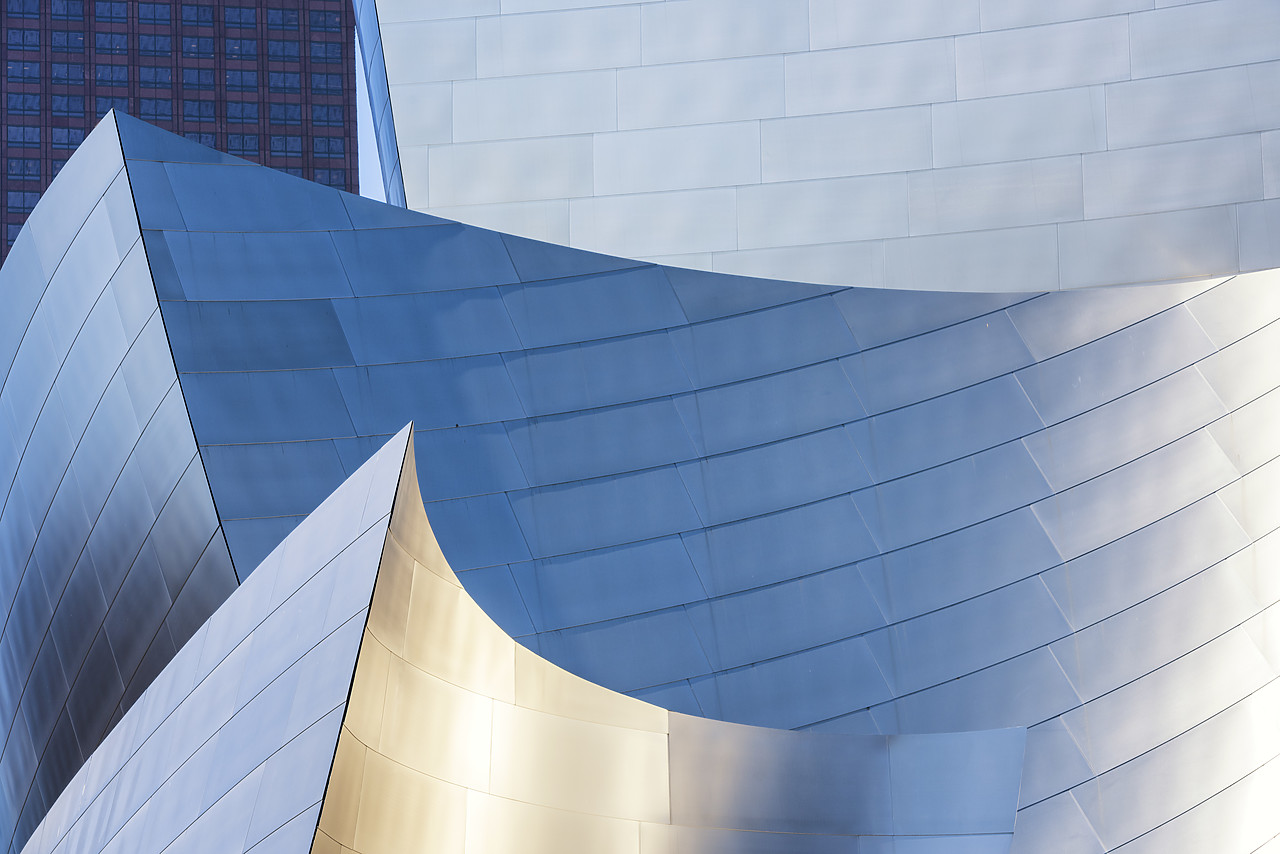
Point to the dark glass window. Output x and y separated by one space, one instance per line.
240 16
326 115
295 171
286 114
282 49
66 41
326 84
242 144
332 177
66 137
153 13
282 19
197 111
22 201
155 76
157 109
22 103
22 8
20 71
55 166
103 103
329 22
242 112
197 78
155 45
286 146
72 73
326 51
24 168
328 146
242 81
197 46
23 39
111 10
284 81
67 10
68 105
109 75
203 137
22 136
111 42
197 15
242 48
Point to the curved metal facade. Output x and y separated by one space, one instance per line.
980 145
860 512
112 552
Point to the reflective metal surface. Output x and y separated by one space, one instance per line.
978 145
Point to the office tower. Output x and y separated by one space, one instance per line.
272 82
882 570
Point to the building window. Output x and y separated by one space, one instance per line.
328 146
295 171
157 109
332 177
108 75
23 72
55 166
241 48
156 14
326 84
72 73
104 103
242 144
282 19
155 76
24 168
242 112
282 49
242 81
66 41
285 114
197 78
326 52
116 11
68 105
197 111
67 10
22 201
23 39
328 22
240 16
155 45
22 8
111 42
284 81
197 15
197 46
11 232
286 146
22 103
203 137
65 137
22 136
327 115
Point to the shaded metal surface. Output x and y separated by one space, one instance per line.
978 145
458 739
917 516
230 747
112 552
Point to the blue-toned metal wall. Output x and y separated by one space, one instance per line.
111 554
850 510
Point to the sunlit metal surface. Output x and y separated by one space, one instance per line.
111 554
230 747
979 145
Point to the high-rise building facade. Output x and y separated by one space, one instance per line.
271 82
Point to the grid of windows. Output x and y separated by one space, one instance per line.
192 67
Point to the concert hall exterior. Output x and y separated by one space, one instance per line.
334 526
